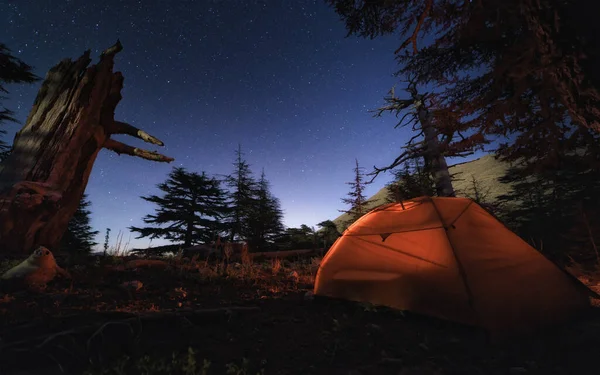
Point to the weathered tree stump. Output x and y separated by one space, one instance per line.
44 178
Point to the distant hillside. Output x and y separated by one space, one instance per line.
486 171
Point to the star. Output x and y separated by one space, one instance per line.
279 78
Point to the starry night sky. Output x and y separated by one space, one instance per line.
277 76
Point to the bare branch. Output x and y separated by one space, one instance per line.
121 148
413 38
412 139
414 118
118 127
394 104
407 155
116 48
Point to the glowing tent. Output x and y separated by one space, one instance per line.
449 258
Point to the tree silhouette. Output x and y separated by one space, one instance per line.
80 236
356 198
242 187
328 232
265 221
411 181
508 70
189 212
12 70
556 207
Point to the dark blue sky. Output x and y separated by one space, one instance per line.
279 77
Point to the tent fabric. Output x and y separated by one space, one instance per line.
449 258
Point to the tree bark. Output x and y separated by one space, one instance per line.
44 178
433 154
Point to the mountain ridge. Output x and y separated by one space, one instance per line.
485 171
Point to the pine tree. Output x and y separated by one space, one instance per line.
297 238
555 208
328 232
411 181
241 186
356 198
265 220
80 237
502 67
12 70
190 210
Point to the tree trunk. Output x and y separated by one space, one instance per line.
44 178
433 155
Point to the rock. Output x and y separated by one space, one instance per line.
34 272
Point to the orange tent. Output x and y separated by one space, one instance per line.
449 258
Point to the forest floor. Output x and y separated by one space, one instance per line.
187 318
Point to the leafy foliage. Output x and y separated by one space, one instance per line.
190 210
80 237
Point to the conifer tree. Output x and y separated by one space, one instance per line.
80 237
501 67
189 212
242 187
356 198
328 232
411 181
427 124
556 208
297 238
265 220
12 70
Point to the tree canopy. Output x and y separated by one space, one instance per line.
12 70
189 212
356 198
265 219
412 180
520 72
242 187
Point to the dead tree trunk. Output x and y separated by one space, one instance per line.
44 178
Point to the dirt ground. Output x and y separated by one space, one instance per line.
261 319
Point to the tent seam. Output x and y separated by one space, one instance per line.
461 269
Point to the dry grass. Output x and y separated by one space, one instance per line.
120 249
292 331
269 272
